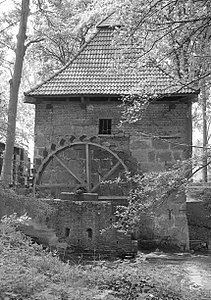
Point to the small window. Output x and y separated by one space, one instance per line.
67 232
105 126
89 232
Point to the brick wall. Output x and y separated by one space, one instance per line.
62 120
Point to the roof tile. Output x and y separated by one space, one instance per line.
91 73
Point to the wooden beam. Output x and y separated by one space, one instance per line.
68 170
88 166
106 176
54 185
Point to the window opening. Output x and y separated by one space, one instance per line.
67 232
89 232
105 126
170 213
22 155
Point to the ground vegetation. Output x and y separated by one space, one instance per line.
27 271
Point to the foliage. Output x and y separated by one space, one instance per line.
197 115
11 202
29 272
172 33
25 113
174 36
141 280
63 28
135 105
3 117
56 30
149 191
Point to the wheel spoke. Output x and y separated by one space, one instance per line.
106 176
88 167
68 170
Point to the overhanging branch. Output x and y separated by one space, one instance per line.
33 42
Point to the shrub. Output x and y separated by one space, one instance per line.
141 280
29 272
11 202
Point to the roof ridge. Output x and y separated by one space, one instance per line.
103 20
63 68
102 23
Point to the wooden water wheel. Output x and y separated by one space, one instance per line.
81 164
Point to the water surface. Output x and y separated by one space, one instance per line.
197 267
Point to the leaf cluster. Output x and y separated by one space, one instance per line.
140 280
11 202
174 34
149 192
29 272
64 26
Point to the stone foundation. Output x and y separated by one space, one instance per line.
168 228
85 227
199 216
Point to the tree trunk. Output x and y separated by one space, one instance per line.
206 51
6 175
204 129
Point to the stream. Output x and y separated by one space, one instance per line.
197 267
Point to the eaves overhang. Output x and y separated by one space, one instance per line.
180 97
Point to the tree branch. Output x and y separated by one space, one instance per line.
197 170
148 13
181 21
10 25
33 42
5 45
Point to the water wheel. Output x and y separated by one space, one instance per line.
81 164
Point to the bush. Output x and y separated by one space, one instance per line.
141 280
29 272
11 202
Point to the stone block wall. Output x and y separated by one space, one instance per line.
66 119
85 226
160 137
167 229
171 221
81 224
199 214
56 121
153 143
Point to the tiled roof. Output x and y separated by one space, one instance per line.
91 73
112 20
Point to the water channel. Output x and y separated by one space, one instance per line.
196 267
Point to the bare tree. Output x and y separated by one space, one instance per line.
14 90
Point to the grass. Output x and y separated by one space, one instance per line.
29 272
